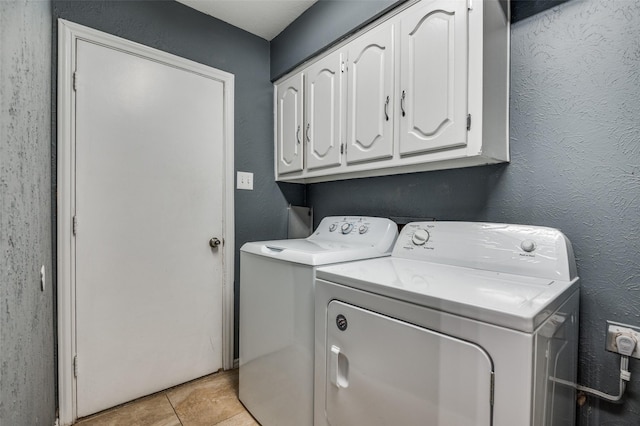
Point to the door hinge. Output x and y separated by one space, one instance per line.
75 366
75 81
468 122
470 4
341 148
493 387
342 67
75 225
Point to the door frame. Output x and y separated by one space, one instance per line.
68 35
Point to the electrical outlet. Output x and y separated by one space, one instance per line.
614 329
245 181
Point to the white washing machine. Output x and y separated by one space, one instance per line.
277 307
465 324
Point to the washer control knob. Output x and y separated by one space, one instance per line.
333 227
363 229
528 246
346 228
420 237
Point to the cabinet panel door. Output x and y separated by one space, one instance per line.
370 99
433 85
289 99
324 128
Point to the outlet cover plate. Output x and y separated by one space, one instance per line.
614 328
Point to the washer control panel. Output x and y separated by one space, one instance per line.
517 249
356 229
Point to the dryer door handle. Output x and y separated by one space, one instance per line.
338 368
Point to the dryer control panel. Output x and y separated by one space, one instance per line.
516 249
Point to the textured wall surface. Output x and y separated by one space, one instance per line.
27 370
575 133
575 146
177 29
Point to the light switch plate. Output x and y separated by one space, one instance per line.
245 181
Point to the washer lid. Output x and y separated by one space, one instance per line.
512 301
337 239
313 253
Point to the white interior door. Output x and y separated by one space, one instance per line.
148 198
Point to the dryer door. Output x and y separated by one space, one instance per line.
382 371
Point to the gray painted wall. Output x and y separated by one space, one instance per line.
575 136
575 146
576 160
175 28
27 370
324 23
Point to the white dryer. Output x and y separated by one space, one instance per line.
466 324
277 307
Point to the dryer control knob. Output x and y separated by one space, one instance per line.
528 246
332 227
346 228
363 229
420 237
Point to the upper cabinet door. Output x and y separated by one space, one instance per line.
370 100
433 84
325 112
289 126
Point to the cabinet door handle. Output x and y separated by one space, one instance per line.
386 106
298 134
402 103
308 128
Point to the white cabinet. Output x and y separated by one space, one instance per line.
433 76
423 88
370 112
324 129
310 118
289 122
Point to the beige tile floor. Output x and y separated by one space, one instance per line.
208 401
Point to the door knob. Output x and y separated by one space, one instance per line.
214 242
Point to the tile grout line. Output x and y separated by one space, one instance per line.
166 395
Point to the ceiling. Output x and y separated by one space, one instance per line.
264 18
